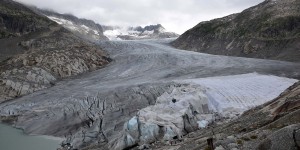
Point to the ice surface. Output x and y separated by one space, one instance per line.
194 102
235 94
202 123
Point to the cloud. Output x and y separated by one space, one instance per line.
174 15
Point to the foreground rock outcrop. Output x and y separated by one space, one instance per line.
269 30
37 52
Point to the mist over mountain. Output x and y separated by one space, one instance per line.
84 28
76 84
138 33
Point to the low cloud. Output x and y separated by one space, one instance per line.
175 15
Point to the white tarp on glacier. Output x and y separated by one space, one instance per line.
194 103
238 93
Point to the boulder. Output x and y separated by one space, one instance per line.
286 138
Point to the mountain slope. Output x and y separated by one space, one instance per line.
36 52
136 33
269 30
87 29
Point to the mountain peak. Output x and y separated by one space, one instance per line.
138 32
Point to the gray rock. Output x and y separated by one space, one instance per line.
144 146
297 137
220 148
232 145
282 139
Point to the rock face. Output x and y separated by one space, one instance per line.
37 52
17 21
87 29
23 81
286 138
269 30
136 33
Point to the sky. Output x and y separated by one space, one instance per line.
175 15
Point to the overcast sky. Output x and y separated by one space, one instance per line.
175 15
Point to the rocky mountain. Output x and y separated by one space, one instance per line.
87 29
269 30
36 52
136 33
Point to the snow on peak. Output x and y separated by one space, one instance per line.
77 27
129 33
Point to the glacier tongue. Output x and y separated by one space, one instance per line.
229 95
171 109
194 103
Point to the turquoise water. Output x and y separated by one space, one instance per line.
14 139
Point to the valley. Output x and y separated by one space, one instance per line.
92 108
118 83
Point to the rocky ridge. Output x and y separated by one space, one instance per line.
269 30
85 28
37 52
138 33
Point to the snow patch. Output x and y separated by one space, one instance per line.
73 26
60 20
96 32
202 124
112 34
